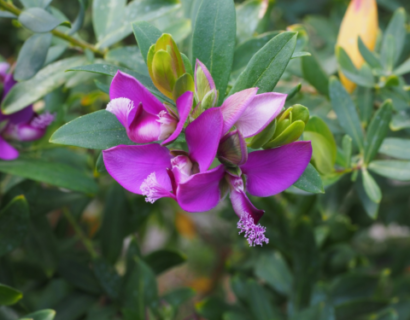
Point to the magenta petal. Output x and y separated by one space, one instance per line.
260 112
234 106
131 165
207 75
126 86
7 152
201 192
269 172
4 66
184 105
203 135
243 206
144 128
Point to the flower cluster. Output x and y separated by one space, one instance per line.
216 160
24 125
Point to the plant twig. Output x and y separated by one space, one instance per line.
73 41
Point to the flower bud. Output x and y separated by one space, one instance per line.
232 149
166 68
206 94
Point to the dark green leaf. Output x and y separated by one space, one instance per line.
259 304
365 100
32 56
212 308
393 169
178 296
108 277
396 147
146 36
114 223
41 315
80 18
9 295
321 311
45 81
57 174
98 130
377 131
369 206
14 224
75 306
314 73
272 268
162 260
213 40
372 60
39 20
102 86
371 187
310 181
268 64
358 308
388 53
346 112
395 30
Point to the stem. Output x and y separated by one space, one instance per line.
87 243
73 41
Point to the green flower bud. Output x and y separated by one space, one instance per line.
232 150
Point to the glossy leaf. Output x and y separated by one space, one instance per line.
371 187
162 260
346 112
57 174
14 224
268 64
393 169
32 56
396 148
39 20
9 295
377 131
213 40
146 35
310 181
98 130
45 81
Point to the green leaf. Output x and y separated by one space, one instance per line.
372 60
57 174
14 224
9 295
178 296
129 57
259 304
146 35
321 311
231 315
365 100
273 269
388 53
41 315
213 40
45 81
55 52
113 223
80 18
39 20
249 13
310 181
35 3
377 131
362 77
116 25
162 260
400 121
102 86
359 308
395 30
5 14
369 206
98 130
396 147
403 68
32 56
314 73
109 279
371 187
347 150
346 112
393 169
211 308
268 64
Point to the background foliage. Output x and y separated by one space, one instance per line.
74 245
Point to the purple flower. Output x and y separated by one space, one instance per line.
24 125
144 117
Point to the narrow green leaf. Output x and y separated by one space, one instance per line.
259 304
370 57
388 53
57 174
393 169
45 81
359 308
178 296
273 269
346 112
162 260
310 181
363 77
41 315
371 187
14 224
146 35
314 73
98 130
106 15
403 68
377 131
32 56
213 40
249 13
396 147
39 20
369 205
395 30
268 64
9 295
80 18
300 54
365 100
108 277
347 149
35 3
